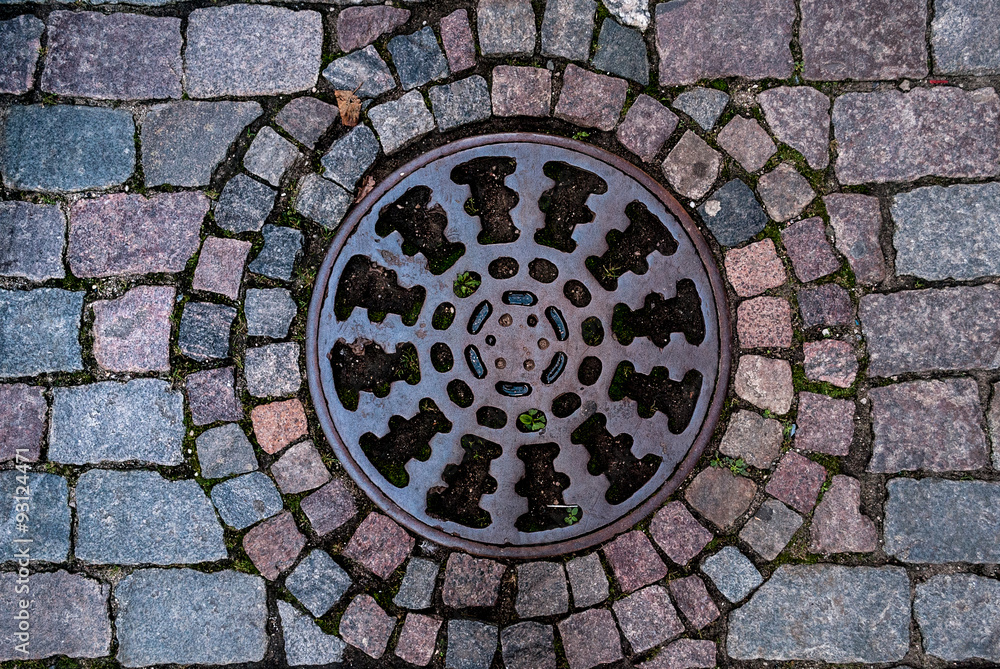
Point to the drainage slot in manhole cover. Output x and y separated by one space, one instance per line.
518 345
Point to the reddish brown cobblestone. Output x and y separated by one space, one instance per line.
274 545
634 561
797 481
380 545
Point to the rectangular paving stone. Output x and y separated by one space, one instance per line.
360 26
929 426
401 121
307 119
318 582
825 425
418 58
959 617
131 234
857 223
282 247
647 618
299 469
949 132
182 616
732 572
243 205
521 91
634 561
142 419
278 424
46 537
20 42
245 50
528 645
305 643
223 451
245 500
921 330
56 597
366 626
273 370
460 103
205 329
541 590
799 116
22 421
750 436
456 36
948 233
590 638
417 589
470 581
350 156
825 304
710 39
770 529
363 71
684 654
269 156
568 28
132 332
418 638
937 521
39 331
964 35
220 266
622 52
322 201
693 600
678 533
506 27
330 507
269 312
647 125
274 545
588 580
380 545
471 644
117 56
211 396
34 239
591 100
66 148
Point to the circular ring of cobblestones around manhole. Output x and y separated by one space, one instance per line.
518 345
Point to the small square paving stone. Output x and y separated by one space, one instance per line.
66 148
39 331
223 451
283 46
183 142
130 234
521 91
799 116
684 654
992 420
247 499
22 421
838 525
269 312
703 105
693 600
418 58
220 266
961 34
34 239
307 119
622 52
720 496
647 618
506 27
588 580
634 561
350 156
647 125
528 645
204 331
810 251
183 616
132 333
360 26
278 424
747 142
567 27
732 573
754 268
244 204
470 581
692 166
765 382
591 100
462 102
269 156
379 545
678 533
755 439
418 638
211 396
797 481
273 370
300 469
785 192
456 36
733 214
20 42
590 638
864 39
366 626
541 590
830 361
118 56
826 304
401 121
46 497
363 71
770 528
329 507
764 322
716 38
318 582
63 597
305 643
958 616
471 644
417 589
142 419
274 544
322 201
282 247
824 425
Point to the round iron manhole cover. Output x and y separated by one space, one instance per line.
518 345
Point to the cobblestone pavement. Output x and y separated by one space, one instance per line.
174 172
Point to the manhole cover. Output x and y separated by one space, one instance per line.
518 345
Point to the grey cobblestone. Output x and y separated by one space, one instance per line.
20 41
34 239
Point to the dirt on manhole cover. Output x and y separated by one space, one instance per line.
518 345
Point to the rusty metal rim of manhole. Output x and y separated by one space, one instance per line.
345 358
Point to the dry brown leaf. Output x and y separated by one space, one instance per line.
367 186
350 107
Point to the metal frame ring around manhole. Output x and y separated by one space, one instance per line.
518 345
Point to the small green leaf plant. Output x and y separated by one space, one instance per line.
466 284
737 466
532 420
572 515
